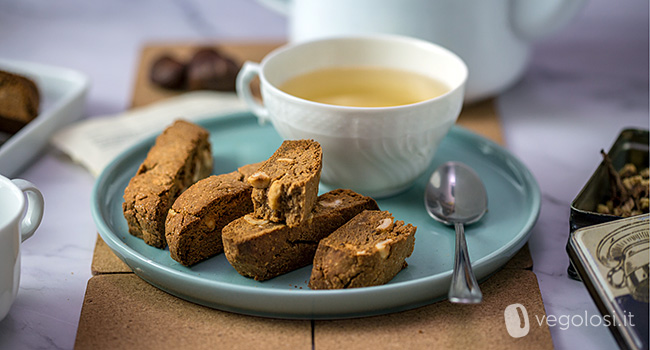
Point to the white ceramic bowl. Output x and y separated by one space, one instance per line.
377 151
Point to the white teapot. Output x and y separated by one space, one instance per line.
493 37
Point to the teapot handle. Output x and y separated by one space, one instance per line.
533 20
280 6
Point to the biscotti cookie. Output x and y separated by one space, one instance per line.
19 101
195 220
248 170
180 156
261 249
285 187
368 250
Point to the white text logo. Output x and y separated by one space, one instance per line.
517 324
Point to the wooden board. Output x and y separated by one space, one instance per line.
122 311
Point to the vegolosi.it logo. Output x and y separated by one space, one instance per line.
517 321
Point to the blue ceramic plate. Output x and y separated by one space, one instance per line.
237 139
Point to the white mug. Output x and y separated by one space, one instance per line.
493 37
21 211
376 151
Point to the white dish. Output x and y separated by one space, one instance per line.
62 92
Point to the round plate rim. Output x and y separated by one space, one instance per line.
143 266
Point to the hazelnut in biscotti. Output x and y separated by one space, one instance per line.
261 249
285 187
194 223
180 157
368 250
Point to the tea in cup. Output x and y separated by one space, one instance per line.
379 105
21 211
359 86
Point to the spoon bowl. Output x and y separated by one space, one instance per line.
455 195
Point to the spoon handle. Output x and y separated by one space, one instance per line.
464 288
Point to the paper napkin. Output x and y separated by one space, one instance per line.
95 142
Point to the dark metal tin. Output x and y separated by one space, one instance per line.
631 146
612 259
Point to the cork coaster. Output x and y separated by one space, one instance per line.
482 118
145 92
105 261
122 311
444 325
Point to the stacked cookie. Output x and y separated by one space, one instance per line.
368 250
180 157
19 101
289 219
285 186
266 217
194 223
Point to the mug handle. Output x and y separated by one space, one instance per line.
35 208
249 71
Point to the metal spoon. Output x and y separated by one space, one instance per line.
456 196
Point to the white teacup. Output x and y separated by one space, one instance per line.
377 151
20 216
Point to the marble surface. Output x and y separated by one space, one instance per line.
584 84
